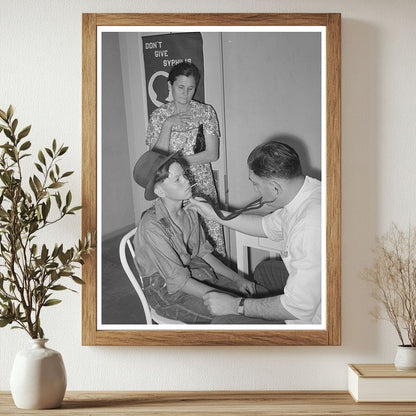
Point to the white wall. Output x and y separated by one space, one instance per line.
41 75
117 199
272 89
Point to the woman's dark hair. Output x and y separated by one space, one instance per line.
163 172
274 159
184 68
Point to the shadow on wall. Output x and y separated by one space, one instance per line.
361 121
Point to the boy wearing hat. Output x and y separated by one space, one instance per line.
174 258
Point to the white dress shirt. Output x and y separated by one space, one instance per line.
297 226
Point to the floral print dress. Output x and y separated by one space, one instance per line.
183 138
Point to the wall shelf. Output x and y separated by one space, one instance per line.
180 403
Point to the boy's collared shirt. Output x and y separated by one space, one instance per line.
162 247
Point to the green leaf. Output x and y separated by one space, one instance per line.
34 226
14 125
54 145
40 332
37 182
56 185
77 280
77 208
54 276
44 253
55 251
51 302
59 250
25 155
3 115
68 199
39 167
62 257
63 150
24 132
8 133
59 287
41 157
49 152
25 145
33 187
58 199
45 210
67 174
10 112
5 321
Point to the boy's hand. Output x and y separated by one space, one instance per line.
247 287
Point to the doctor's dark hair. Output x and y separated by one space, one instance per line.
163 171
184 68
274 160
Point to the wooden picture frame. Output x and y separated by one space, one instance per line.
331 334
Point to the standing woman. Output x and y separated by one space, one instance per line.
192 128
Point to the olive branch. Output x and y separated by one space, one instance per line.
30 274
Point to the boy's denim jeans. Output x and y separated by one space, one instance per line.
182 306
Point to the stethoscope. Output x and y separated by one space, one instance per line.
258 203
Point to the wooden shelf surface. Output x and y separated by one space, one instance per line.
180 403
381 371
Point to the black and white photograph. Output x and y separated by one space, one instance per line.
211 179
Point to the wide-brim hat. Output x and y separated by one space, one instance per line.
145 169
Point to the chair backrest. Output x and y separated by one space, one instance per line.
126 249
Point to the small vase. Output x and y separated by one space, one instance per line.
405 358
38 377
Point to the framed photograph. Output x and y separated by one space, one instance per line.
262 77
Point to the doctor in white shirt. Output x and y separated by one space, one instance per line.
294 283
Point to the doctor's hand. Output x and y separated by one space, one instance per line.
203 207
221 304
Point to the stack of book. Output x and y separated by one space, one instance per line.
381 383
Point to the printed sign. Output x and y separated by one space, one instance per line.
161 53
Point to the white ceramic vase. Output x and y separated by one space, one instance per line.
38 377
405 358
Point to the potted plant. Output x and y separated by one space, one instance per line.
393 277
31 272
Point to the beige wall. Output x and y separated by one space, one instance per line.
42 78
